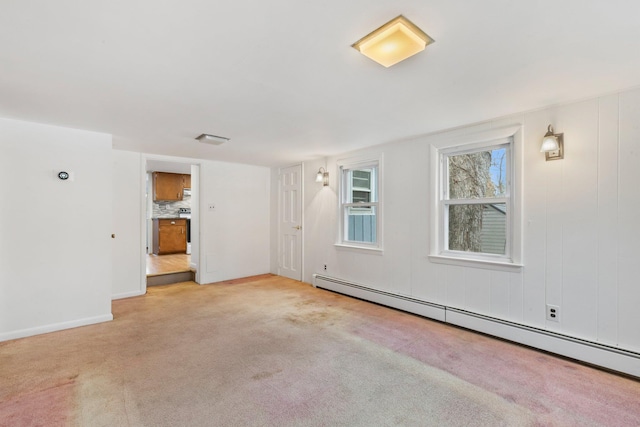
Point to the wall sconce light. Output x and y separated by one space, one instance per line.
322 176
553 145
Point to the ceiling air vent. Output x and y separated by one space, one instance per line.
212 139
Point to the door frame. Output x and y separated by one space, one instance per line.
302 218
145 203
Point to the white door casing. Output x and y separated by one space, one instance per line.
128 184
290 223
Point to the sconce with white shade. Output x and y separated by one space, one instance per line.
553 145
322 176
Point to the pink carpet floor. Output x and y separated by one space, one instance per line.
268 351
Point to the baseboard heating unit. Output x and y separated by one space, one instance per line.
609 357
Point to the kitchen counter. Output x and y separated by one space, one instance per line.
170 235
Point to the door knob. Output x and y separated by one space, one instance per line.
297 227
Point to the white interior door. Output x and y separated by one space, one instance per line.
290 230
128 272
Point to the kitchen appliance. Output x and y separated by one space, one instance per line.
186 213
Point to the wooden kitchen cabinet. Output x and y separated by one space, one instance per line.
169 186
169 236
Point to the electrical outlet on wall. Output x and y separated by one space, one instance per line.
553 313
325 267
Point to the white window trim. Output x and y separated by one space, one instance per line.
472 141
444 201
354 163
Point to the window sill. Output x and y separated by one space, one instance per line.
476 263
362 249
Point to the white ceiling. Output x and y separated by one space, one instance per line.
280 79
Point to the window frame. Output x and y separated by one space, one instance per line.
446 202
481 141
346 187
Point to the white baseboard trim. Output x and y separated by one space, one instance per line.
609 357
596 354
127 295
411 305
22 333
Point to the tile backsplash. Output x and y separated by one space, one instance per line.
170 209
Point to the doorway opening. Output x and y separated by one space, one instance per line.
171 223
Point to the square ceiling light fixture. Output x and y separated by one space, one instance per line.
212 139
395 41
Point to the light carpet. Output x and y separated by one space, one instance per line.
268 351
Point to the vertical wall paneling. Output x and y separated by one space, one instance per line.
556 218
500 294
478 290
534 206
516 291
580 226
456 287
580 220
608 231
320 212
399 222
440 286
428 279
628 222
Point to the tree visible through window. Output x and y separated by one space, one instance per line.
476 200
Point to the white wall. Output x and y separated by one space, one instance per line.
320 216
235 234
59 266
235 240
55 236
580 227
129 179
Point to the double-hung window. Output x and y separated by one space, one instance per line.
477 217
476 199
360 204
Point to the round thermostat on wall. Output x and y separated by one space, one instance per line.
63 175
